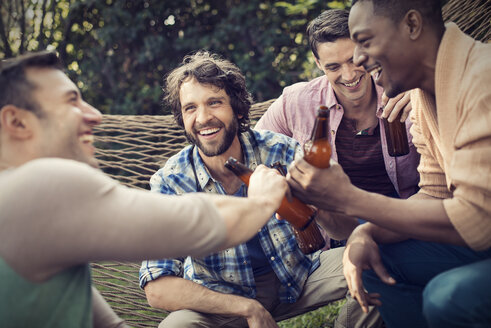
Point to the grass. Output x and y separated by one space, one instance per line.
320 318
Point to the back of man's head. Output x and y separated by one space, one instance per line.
208 68
329 26
431 10
15 89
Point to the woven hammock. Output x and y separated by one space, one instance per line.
131 148
472 16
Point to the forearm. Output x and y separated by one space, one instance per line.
243 216
421 217
378 234
338 226
172 293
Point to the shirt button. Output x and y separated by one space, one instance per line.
390 164
289 285
245 262
272 258
333 132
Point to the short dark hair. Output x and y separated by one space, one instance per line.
15 89
208 68
329 26
431 10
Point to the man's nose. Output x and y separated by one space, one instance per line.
91 114
203 115
359 58
348 72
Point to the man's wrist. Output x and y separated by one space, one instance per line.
362 231
355 200
248 307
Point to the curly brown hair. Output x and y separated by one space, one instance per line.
208 68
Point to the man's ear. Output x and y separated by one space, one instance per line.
16 121
413 22
317 63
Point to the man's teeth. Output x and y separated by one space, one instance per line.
87 138
208 131
374 72
353 83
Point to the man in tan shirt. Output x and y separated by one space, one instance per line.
444 278
58 213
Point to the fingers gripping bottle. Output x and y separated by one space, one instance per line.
297 213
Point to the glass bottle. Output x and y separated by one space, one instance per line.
317 151
396 135
298 214
309 239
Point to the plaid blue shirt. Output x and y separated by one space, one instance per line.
230 271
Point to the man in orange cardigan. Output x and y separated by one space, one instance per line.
443 279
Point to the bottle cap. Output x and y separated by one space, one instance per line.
323 110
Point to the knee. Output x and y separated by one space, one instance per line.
445 299
435 300
178 319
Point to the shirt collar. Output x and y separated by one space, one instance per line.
203 176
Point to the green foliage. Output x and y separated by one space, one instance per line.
321 318
120 50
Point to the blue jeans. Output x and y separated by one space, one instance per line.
413 264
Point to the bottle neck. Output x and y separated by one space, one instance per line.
321 124
240 170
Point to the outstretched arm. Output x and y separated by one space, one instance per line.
85 216
338 226
422 217
245 216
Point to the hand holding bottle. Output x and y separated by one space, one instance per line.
397 108
394 117
267 184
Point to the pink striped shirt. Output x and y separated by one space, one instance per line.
293 114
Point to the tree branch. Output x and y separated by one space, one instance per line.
22 27
6 48
41 25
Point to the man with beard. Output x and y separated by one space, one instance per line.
58 212
259 282
444 278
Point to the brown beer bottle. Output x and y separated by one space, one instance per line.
309 239
298 214
318 149
396 136
317 152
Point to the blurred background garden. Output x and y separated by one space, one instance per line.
120 50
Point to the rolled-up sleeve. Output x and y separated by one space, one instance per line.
154 269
